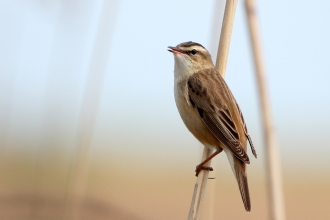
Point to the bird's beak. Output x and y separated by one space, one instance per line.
176 50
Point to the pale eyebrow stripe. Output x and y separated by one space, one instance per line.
190 44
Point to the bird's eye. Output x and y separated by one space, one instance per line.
193 52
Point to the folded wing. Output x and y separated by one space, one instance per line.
217 117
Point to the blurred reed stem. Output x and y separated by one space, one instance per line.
272 158
90 104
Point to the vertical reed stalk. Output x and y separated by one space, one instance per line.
93 89
272 158
221 63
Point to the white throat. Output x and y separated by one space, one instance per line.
183 68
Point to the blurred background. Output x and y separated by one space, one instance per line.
88 124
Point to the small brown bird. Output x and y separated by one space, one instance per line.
210 111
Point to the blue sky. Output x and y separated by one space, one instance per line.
46 48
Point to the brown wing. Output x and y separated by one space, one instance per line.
216 116
247 132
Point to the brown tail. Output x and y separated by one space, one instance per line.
242 183
238 168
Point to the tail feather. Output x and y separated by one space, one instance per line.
244 188
238 168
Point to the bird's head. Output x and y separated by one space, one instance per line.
190 57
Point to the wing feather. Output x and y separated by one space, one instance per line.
247 132
216 116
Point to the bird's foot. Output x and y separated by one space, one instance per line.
200 168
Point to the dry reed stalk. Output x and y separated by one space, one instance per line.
201 183
272 159
221 64
93 89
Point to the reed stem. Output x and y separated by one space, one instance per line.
221 64
272 158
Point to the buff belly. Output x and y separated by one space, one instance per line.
193 121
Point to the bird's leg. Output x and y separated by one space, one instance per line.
201 166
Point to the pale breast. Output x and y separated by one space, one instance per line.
190 116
